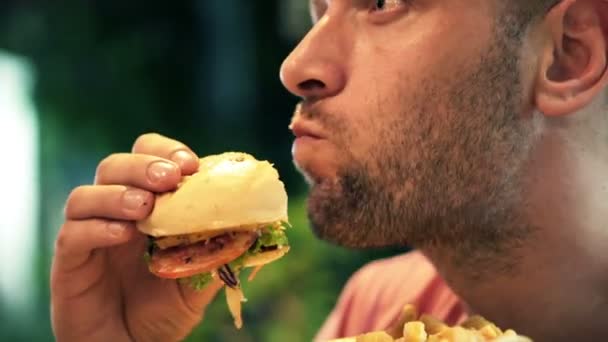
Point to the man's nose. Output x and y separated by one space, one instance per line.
316 67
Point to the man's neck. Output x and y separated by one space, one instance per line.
558 287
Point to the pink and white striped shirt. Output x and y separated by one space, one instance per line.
374 296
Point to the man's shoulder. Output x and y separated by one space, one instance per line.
405 278
375 295
410 265
386 285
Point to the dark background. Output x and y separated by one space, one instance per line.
203 72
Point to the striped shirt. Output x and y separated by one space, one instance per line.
374 296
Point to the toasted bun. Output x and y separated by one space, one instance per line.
230 191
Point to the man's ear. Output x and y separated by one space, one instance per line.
574 60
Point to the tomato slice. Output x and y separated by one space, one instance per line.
200 257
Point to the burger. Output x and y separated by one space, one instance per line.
230 215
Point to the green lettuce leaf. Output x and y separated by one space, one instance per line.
147 257
198 281
270 237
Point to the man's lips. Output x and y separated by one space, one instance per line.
302 129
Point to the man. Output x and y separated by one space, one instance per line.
472 130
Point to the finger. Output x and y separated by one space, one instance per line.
138 170
161 146
109 201
197 300
77 239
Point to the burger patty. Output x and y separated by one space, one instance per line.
203 256
186 239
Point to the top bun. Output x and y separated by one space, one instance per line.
230 191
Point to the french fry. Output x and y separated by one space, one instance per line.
490 331
510 332
475 322
459 334
414 332
436 338
432 325
408 313
377 336
426 328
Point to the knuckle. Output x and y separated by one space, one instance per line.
73 198
144 139
104 166
63 238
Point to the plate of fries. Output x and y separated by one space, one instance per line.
426 328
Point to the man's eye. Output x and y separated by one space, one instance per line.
387 5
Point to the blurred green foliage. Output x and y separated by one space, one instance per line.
203 72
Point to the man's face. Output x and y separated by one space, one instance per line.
412 128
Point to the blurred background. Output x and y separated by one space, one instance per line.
82 79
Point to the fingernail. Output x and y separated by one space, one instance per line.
116 228
134 199
182 157
159 170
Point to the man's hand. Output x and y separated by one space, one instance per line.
101 289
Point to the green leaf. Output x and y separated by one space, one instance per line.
270 237
147 257
198 281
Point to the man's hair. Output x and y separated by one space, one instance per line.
525 12
514 17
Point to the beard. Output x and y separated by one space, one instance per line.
446 171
